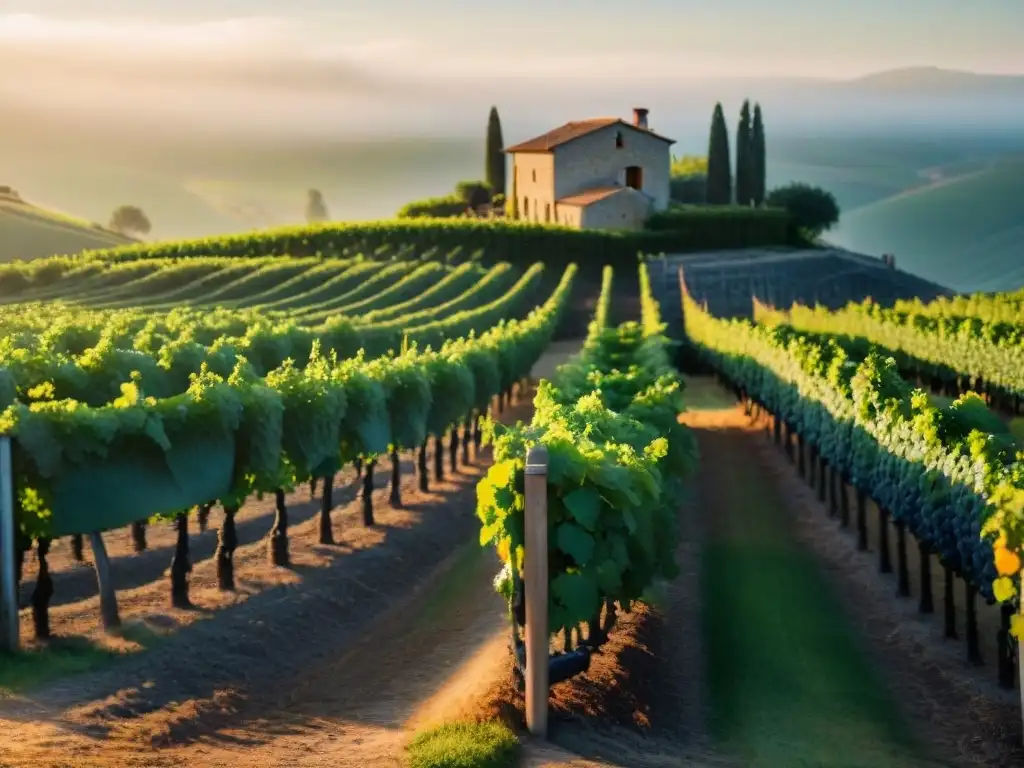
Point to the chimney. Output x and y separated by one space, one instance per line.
640 117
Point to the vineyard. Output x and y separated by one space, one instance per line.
141 390
860 398
829 277
246 469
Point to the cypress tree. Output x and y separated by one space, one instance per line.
757 151
495 155
744 159
719 190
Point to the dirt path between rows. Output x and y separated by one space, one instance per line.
789 681
329 663
945 712
953 705
779 644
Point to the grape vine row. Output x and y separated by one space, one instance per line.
956 487
233 429
618 460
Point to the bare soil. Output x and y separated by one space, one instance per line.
75 580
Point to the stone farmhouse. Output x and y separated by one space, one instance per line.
602 173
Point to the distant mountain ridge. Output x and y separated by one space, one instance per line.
923 80
933 79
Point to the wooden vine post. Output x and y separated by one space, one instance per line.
535 584
9 631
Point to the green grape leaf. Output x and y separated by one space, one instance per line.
584 504
578 593
609 577
629 519
575 542
620 552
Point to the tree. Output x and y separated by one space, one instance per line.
758 158
688 165
719 172
474 193
316 208
813 210
688 179
495 154
130 218
744 158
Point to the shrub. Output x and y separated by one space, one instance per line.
475 193
724 226
812 210
467 194
434 207
689 190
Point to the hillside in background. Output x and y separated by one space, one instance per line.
869 141
932 80
964 232
197 188
863 168
28 231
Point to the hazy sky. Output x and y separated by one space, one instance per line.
314 65
564 38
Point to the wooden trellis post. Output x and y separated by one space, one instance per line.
535 578
9 634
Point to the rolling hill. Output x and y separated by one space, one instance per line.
28 231
931 80
965 232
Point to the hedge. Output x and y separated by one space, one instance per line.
517 242
691 190
724 226
438 207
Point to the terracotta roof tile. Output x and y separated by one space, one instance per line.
573 130
590 196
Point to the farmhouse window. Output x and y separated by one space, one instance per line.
635 177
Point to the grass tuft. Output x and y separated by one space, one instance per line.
62 657
20 672
465 745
